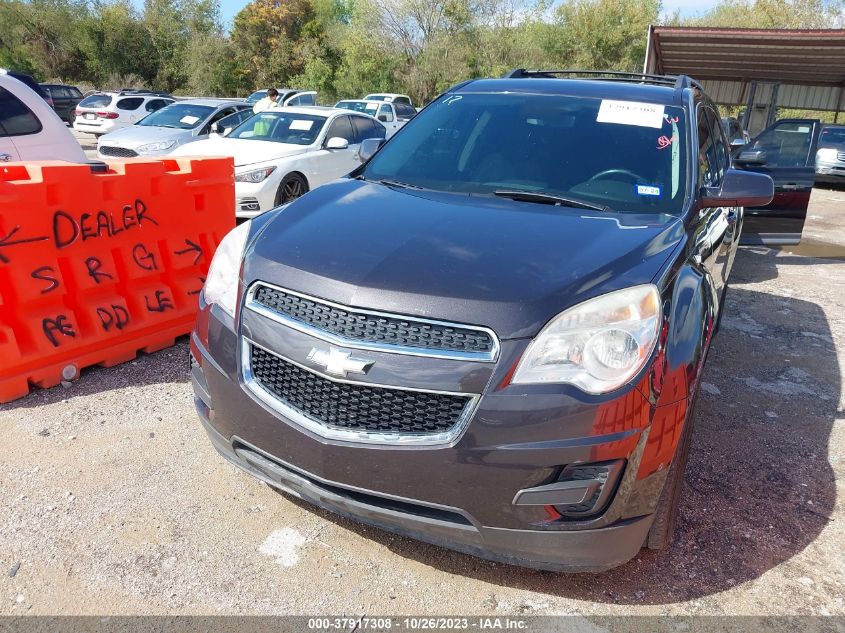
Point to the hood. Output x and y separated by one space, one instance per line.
134 136
479 260
244 151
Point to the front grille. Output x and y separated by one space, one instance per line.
355 325
120 152
840 156
351 407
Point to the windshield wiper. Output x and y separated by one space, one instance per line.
396 183
547 198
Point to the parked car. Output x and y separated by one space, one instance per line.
830 157
30 129
64 100
105 112
390 97
392 115
785 151
490 335
281 154
173 126
287 97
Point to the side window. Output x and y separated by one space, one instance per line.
385 113
222 113
297 100
786 144
720 145
307 99
404 111
342 128
15 118
75 93
708 168
367 128
404 100
131 103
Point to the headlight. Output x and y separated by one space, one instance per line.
256 175
221 284
155 147
598 345
826 153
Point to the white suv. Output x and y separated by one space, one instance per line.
105 112
30 129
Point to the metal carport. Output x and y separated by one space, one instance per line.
762 69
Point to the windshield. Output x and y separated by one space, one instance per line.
624 155
281 127
256 96
178 115
367 107
832 137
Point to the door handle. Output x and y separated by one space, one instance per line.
5 157
791 186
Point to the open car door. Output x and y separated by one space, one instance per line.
786 151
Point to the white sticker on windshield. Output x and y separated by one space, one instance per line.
189 120
371 106
630 113
648 190
301 124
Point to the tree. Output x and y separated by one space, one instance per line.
775 14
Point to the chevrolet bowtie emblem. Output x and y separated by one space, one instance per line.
338 363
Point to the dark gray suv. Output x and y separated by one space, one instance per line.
489 336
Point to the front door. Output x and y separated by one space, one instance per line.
786 151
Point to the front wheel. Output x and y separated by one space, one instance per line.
291 187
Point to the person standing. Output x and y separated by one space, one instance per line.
269 102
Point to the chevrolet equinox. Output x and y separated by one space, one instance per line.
490 335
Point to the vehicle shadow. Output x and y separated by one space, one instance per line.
761 262
759 488
170 365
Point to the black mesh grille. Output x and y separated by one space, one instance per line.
121 152
354 407
372 328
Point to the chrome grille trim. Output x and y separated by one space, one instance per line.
251 304
254 387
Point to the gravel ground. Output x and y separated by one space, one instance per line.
113 500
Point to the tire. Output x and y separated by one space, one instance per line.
292 186
660 534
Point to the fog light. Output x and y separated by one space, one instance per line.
600 478
581 490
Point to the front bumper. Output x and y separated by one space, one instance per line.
252 199
830 171
460 495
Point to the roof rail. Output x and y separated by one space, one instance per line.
678 82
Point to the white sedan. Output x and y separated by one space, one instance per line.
281 154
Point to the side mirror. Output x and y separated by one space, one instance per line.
215 128
739 189
385 118
738 142
752 157
336 142
369 147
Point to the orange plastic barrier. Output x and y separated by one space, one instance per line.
94 267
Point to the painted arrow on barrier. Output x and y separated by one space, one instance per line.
8 241
193 247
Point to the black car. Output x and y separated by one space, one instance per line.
489 336
65 99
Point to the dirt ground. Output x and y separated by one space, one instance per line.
112 500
